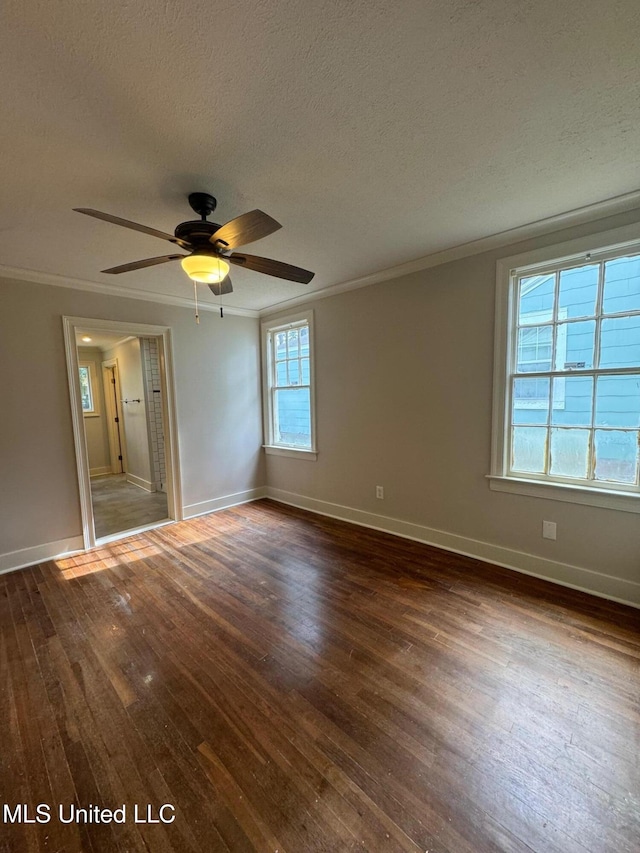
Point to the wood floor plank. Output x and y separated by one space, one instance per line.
290 682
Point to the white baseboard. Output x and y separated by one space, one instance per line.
100 472
51 550
147 485
39 553
575 577
204 507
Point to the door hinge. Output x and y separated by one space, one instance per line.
120 458
117 420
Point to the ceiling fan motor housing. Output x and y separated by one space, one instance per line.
197 233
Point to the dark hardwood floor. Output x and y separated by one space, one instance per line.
292 683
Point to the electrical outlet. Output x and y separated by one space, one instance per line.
380 492
548 530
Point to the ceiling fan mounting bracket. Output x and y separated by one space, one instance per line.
203 204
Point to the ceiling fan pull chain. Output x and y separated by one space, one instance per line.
195 296
221 311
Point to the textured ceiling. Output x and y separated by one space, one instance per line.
375 131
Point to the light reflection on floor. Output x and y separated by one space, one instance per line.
107 557
309 630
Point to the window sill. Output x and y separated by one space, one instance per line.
291 452
606 498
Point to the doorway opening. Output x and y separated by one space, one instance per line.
122 402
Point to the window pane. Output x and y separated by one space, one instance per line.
530 401
621 285
534 349
293 417
281 345
292 338
574 345
304 340
281 373
620 342
618 401
572 401
294 372
306 375
616 456
537 294
569 452
578 291
528 449
85 390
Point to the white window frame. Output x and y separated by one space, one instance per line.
94 412
597 248
269 329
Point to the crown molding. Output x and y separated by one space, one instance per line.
591 213
114 290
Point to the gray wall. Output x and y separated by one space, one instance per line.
404 373
218 406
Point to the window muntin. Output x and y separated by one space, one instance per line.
289 378
574 382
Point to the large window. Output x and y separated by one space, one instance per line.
570 403
288 385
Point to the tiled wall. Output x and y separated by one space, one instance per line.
153 392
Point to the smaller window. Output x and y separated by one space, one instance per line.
288 384
87 388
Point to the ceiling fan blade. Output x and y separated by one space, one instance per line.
221 287
270 267
148 262
245 229
126 223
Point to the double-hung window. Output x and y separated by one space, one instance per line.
567 379
288 386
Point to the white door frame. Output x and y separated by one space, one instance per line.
163 333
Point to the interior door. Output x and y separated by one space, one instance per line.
115 422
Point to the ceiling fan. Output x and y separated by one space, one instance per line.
209 245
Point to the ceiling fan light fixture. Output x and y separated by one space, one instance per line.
209 269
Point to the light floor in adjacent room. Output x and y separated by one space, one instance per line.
119 505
